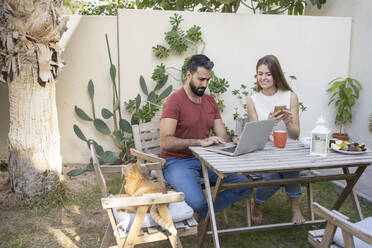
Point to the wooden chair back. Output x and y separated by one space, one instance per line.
146 137
324 238
97 169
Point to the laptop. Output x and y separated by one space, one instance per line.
254 137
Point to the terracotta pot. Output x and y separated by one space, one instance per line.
340 136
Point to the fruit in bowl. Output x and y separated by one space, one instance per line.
349 146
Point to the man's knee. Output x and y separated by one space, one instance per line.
196 203
243 192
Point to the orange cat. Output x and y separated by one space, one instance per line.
136 185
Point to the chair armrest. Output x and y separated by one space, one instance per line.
147 157
340 222
149 199
152 166
119 167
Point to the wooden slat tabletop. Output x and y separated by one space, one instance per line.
293 157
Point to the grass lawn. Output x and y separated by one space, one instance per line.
71 216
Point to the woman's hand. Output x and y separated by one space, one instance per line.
235 139
287 116
283 115
275 116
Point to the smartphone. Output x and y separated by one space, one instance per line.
279 109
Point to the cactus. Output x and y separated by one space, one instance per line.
120 135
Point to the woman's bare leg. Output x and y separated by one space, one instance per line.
297 217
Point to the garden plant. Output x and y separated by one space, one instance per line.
345 92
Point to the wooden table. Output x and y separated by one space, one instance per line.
294 157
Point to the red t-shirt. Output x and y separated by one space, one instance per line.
195 121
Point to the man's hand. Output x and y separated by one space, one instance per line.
213 140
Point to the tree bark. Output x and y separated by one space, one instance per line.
34 146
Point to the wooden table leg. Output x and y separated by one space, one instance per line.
310 200
354 198
210 215
349 187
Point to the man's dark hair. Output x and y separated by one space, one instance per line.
199 60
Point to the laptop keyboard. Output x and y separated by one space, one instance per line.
229 149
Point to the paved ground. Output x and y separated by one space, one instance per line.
363 186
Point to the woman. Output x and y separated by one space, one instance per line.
274 90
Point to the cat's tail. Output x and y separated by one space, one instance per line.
162 222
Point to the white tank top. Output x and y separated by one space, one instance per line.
266 104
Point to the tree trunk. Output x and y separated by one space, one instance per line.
29 35
34 147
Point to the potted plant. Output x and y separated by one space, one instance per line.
344 91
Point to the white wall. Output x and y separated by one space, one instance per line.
86 58
315 49
360 58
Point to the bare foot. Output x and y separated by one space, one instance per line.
297 217
256 212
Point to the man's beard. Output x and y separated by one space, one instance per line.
199 91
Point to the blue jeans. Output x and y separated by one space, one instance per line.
184 175
264 193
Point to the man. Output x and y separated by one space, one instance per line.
187 118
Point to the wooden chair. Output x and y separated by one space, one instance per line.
325 237
138 234
147 147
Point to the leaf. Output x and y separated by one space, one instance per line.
329 103
89 167
101 126
293 77
151 97
143 85
134 120
357 82
161 84
113 73
82 115
349 96
125 126
99 149
110 157
138 101
356 90
166 92
106 113
75 172
79 133
118 137
335 85
91 89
